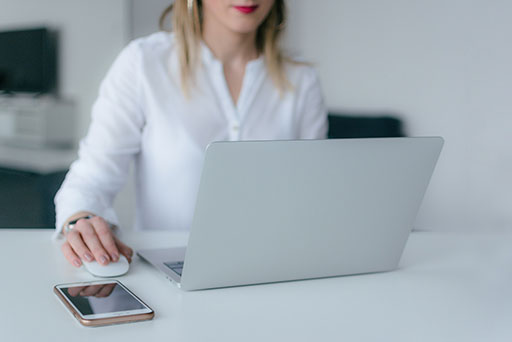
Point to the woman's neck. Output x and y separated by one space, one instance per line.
232 47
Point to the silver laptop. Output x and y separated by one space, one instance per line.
272 211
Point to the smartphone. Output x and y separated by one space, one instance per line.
100 303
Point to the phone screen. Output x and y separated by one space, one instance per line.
101 298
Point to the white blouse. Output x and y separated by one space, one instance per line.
142 116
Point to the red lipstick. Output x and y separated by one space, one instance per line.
246 9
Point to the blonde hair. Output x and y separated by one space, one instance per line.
187 26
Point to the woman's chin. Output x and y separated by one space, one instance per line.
244 27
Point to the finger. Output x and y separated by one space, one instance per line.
74 291
106 237
70 255
106 290
92 241
77 243
90 291
124 249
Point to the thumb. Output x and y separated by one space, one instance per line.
124 249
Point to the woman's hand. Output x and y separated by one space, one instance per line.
92 239
99 291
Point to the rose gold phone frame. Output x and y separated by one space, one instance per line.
107 320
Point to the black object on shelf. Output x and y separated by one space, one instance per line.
347 125
26 198
28 61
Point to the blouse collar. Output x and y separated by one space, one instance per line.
209 58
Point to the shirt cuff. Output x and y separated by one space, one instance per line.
70 209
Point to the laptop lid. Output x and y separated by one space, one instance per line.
271 211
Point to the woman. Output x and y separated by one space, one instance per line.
219 76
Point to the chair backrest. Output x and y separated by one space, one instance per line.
26 198
345 125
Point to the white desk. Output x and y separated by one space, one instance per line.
450 287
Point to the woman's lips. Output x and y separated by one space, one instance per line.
246 9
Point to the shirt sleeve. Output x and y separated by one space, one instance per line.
113 140
312 110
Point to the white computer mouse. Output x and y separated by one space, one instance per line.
113 269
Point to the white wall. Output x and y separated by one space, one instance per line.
144 16
445 65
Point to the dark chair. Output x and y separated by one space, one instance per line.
26 198
364 125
